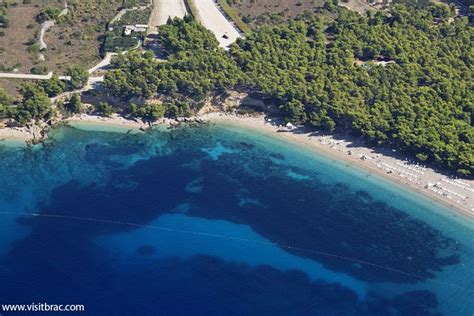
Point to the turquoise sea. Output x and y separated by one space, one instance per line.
219 220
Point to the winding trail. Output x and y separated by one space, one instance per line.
104 63
91 84
44 28
65 11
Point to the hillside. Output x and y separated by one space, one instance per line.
403 80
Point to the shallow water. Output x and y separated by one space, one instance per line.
219 220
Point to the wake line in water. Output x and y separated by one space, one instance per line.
267 243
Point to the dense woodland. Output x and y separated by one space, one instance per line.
402 78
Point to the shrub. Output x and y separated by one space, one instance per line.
105 109
39 69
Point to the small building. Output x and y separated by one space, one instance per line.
128 30
141 27
385 62
379 2
138 28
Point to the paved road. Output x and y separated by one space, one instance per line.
162 10
212 18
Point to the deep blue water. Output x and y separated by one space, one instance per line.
220 221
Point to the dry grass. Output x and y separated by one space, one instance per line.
234 15
18 35
287 8
357 5
78 40
11 86
74 41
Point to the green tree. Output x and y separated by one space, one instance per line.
401 78
151 112
39 69
53 86
75 104
294 111
51 13
35 105
105 108
5 103
79 77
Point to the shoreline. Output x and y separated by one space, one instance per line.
20 135
373 163
98 122
423 180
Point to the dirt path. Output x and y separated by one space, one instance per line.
25 76
91 84
47 25
212 18
162 10
44 27
103 63
357 5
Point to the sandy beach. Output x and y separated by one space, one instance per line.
116 121
454 193
20 135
